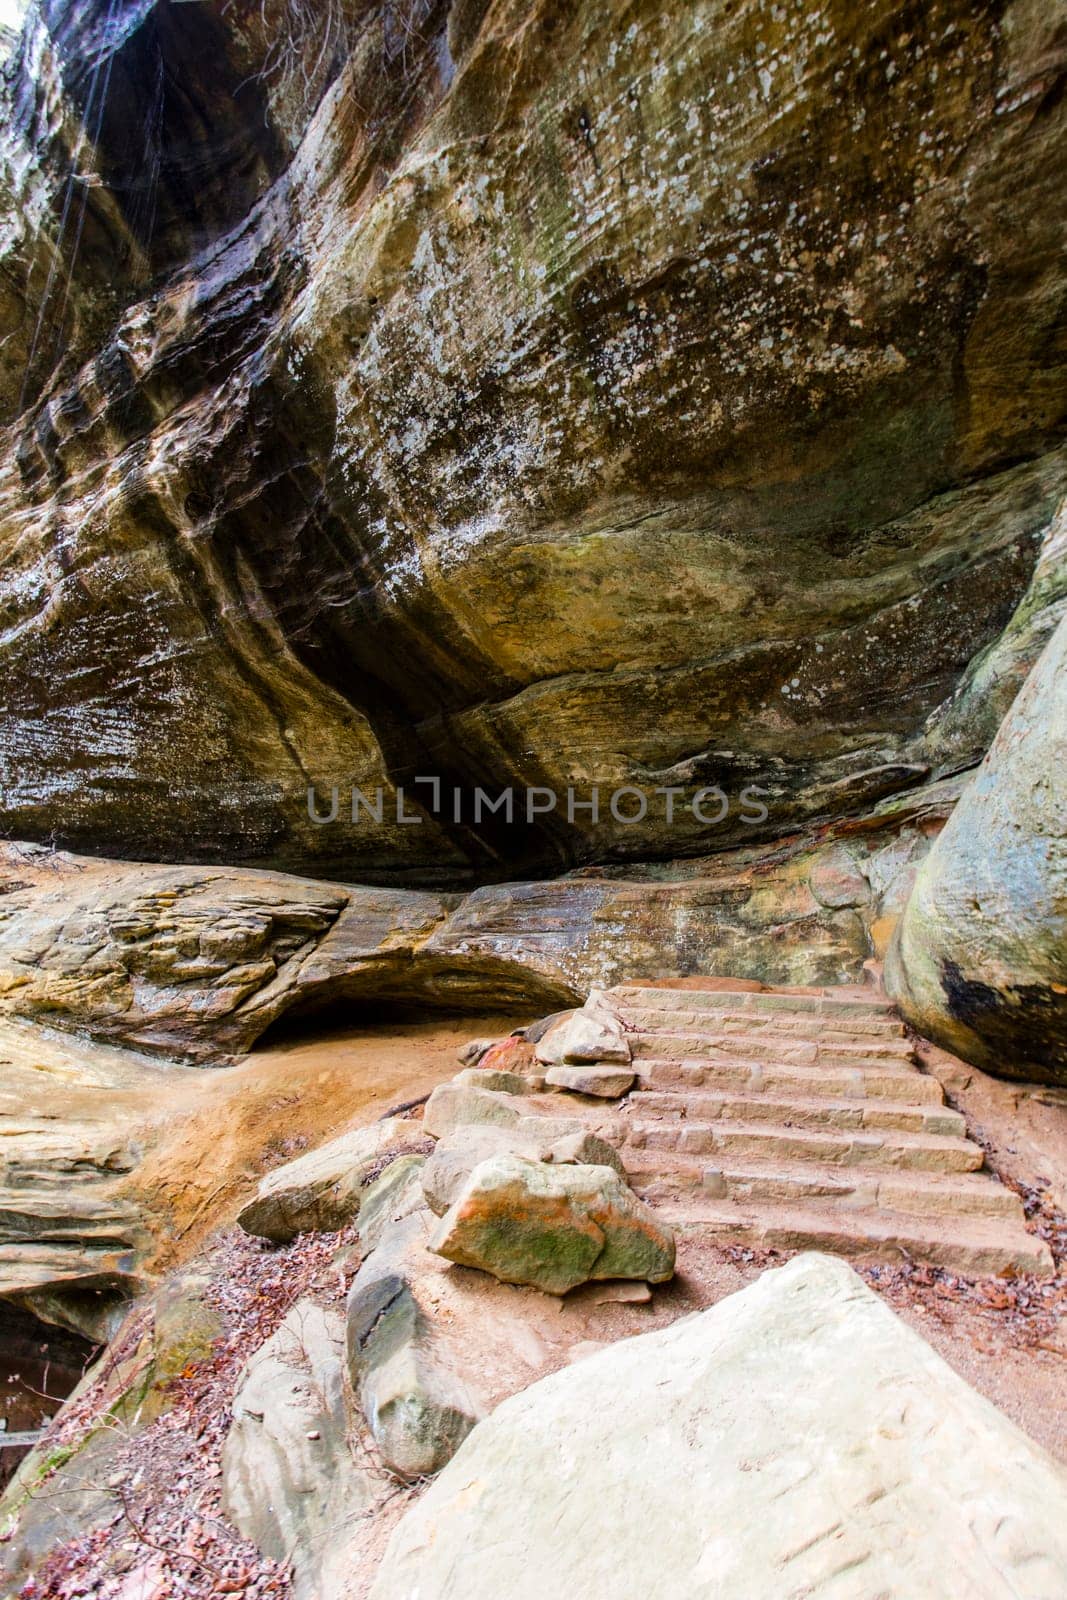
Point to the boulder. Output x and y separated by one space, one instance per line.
536 1031
589 1035
321 1191
514 1054
417 1403
455 1157
979 961
471 1053
796 1439
607 1083
391 1197
455 1105
458 1105
583 1150
290 1478
553 1226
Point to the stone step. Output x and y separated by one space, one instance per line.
972 1246
929 1151
650 1019
820 1004
802 1120
681 1045
880 1082
886 1082
800 1111
663 1176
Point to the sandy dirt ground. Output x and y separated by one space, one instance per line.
220 1129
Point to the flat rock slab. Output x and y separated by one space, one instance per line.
456 1156
607 1083
553 1226
795 1440
456 1105
501 1081
321 1191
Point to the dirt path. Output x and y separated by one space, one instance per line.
208 1143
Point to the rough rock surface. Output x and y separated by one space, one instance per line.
661 396
514 1055
197 962
606 1083
795 1439
389 1199
456 1155
553 1226
979 962
321 1191
590 1035
72 1124
455 1105
416 1396
291 1479
499 1081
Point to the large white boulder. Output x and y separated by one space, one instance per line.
979 959
795 1440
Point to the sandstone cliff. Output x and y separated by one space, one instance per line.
518 393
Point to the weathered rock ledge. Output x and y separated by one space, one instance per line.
196 962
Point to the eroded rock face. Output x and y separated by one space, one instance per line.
800 1405
979 961
73 1246
603 394
195 962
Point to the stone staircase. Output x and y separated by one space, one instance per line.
801 1119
